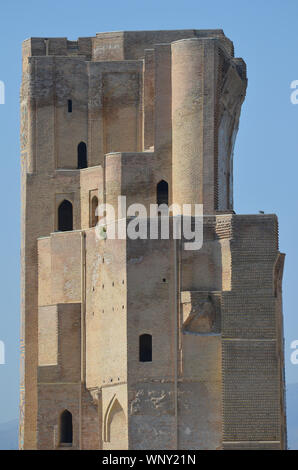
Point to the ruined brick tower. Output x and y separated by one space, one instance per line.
141 344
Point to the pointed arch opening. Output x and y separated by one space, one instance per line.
65 216
66 427
82 155
115 427
162 193
145 348
94 216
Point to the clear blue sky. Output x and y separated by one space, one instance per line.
265 34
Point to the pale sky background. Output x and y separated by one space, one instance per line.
265 34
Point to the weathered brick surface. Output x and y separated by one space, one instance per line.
150 106
252 357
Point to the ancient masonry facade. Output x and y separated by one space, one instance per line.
141 344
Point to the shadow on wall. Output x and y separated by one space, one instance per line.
9 430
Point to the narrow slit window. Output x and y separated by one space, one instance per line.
82 155
69 106
66 428
65 217
145 348
162 192
94 216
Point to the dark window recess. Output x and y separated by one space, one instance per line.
66 427
145 348
65 220
69 106
162 193
94 216
82 155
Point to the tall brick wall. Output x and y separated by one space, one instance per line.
149 106
252 360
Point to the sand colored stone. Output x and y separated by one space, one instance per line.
150 106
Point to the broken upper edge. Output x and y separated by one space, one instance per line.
118 45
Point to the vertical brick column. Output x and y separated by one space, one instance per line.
193 108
